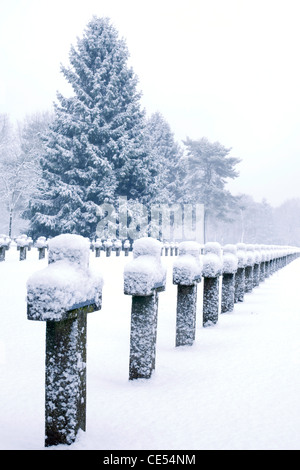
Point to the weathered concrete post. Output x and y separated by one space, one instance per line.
62 295
212 269
144 277
249 269
4 245
230 266
187 271
240 274
22 245
41 245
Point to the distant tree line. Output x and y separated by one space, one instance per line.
57 169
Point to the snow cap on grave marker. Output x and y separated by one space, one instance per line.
187 268
250 255
22 240
257 254
69 247
65 283
230 259
242 255
4 240
41 242
145 271
212 259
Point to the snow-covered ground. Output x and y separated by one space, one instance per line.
237 387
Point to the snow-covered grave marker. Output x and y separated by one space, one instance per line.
144 278
166 247
279 258
22 245
172 248
30 243
187 272
267 261
230 266
240 273
249 268
63 294
98 247
262 265
126 247
41 244
212 269
4 245
274 258
176 248
108 247
117 247
285 255
271 258
256 266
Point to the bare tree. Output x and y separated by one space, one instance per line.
20 147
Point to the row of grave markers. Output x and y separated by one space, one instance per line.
24 243
63 293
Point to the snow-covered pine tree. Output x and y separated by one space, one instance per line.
166 156
167 168
95 150
209 168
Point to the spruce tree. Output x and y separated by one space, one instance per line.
95 147
209 168
166 157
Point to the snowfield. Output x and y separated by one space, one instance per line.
237 387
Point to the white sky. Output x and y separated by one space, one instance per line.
227 70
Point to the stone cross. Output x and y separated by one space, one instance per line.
187 271
144 278
63 294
